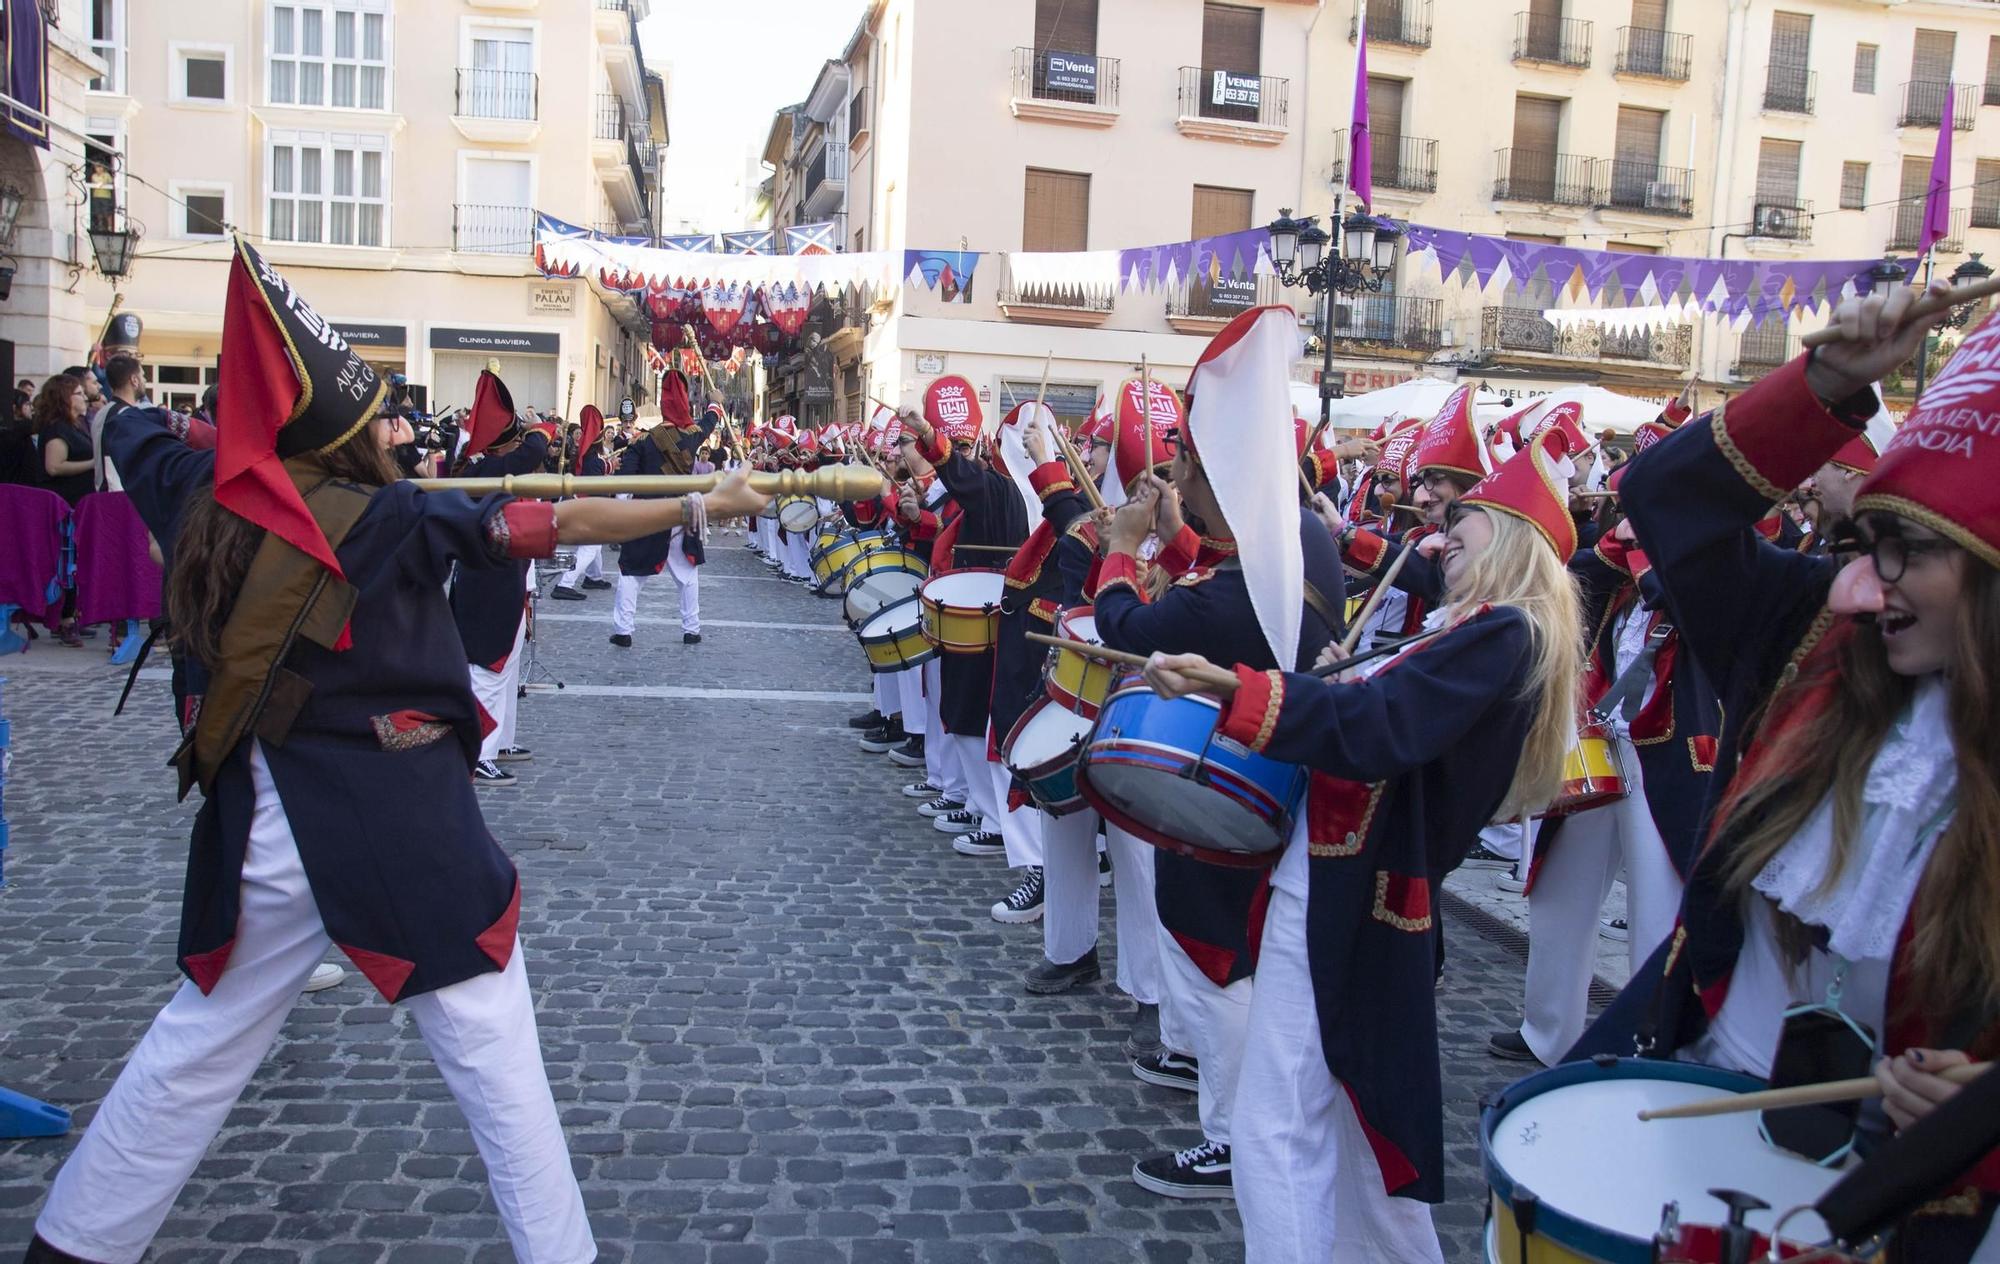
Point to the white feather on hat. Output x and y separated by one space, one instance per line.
1014 458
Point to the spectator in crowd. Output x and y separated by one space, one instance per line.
126 382
59 416
26 386
19 462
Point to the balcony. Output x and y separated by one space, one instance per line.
1909 231
857 119
1790 89
1231 106
1551 41
1762 348
1924 104
1406 24
1538 175
1080 89
1405 163
1645 188
614 152
1204 306
1042 305
826 180
1652 54
501 107
492 230
1782 221
1390 320
1669 345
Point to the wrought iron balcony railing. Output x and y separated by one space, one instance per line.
1077 78
1409 163
1656 54
1540 175
1556 41
1406 23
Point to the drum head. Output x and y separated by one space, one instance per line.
897 619
968 589
1044 733
1174 807
1079 625
877 589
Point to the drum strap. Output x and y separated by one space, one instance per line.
1628 693
1315 599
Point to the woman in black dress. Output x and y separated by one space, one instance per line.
67 456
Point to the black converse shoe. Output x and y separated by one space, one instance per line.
515 755
982 843
1104 869
885 737
910 754
1202 1172
1024 902
920 790
1481 858
1510 1045
488 773
957 822
941 806
1169 1070
874 719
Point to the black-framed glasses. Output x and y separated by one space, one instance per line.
1889 551
1431 480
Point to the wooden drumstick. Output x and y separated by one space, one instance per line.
1854 1090
1220 677
1918 310
1353 637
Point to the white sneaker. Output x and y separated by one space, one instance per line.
325 975
920 790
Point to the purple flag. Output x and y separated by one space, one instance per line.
24 44
1361 155
1937 202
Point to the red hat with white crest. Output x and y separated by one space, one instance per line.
1531 487
1139 438
1451 440
952 407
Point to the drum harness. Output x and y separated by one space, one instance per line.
1627 694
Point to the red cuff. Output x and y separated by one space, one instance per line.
1120 568
1777 433
1638 563
1325 467
934 448
1365 551
1177 556
1614 552
1252 715
531 528
927 523
1050 479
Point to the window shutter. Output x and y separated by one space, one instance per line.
1778 172
1385 111
1853 186
1057 211
1986 194
1232 38
1649 15
1993 70
1930 60
1864 68
1537 124
1791 40
1219 211
1066 26
1638 140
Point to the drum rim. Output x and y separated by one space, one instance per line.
971 570
1582 1236
1020 726
859 631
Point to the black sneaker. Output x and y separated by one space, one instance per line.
1481 858
910 754
1169 1070
940 807
956 822
690 638
488 773
887 737
1104 869
514 755
623 640
920 790
1024 902
1511 1046
597 583
1050 979
560 593
1144 1039
1202 1172
873 720
982 843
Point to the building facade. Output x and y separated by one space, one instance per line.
389 156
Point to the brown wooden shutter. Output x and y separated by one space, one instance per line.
1537 123
1915 189
1540 11
1864 68
1791 39
1219 211
1232 38
1056 214
1993 70
1649 15
1930 60
1986 194
1630 248
1385 110
1778 172
1639 131
1853 186
1066 26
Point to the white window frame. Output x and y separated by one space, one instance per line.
121 193
178 191
328 143
470 28
326 60
501 155
113 51
178 52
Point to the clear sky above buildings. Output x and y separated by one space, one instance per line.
730 66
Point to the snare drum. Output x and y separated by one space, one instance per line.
893 637
798 514
1159 769
1571 1139
830 559
1074 681
1593 774
962 610
1042 749
878 588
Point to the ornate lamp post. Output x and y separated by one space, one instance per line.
1363 260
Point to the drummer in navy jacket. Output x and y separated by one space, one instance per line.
1236 484
1339 1128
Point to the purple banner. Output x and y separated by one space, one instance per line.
27 40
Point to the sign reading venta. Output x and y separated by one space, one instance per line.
1234 89
1070 72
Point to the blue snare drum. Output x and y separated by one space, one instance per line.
1158 768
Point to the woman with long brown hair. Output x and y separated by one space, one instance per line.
67 457
1846 906
332 732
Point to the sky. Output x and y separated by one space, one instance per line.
732 67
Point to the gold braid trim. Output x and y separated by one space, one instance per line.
1750 474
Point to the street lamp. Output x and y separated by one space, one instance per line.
1973 270
11 198
113 248
1363 260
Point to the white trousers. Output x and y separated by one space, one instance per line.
968 754
1138 916
589 564
940 756
797 556
910 703
1069 892
1020 828
500 693
687 578
181 1082
1568 897
1307 1183
888 696
1209 1022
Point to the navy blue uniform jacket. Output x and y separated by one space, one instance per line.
489 602
990 512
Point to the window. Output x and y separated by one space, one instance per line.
107 40
331 54
1992 96
201 211
500 80
1853 186
1217 212
1778 172
203 78
496 194
199 74
1232 42
328 189
1864 68
1986 194
1066 26
1056 214
104 176
1914 193
1788 78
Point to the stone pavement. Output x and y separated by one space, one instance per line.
779 1023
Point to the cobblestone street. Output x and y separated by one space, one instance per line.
779 1021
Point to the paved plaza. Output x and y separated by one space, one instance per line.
779 1022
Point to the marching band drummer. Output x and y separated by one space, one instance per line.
592 449
1339 1129
1849 867
334 740
1238 445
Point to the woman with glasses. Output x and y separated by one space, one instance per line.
1845 913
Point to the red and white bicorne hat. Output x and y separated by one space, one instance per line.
1451 440
1138 435
783 431
1942 469
1098 427
1532 487
1239 425
951 405
1010 452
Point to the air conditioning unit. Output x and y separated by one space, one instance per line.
1664 195
1777 221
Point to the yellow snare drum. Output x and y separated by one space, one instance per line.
798 514
1075 682
962 610
1592 773
886 558
837 554
893 637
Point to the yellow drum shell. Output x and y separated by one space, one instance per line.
1592 775
893 641
889 558
1078 683
1503 1242
960 615
832 559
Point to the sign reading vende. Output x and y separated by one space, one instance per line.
1070 72
1231 88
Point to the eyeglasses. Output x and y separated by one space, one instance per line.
1431 480
1890 552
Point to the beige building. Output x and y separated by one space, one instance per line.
389 157
1041 125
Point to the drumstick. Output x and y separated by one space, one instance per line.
1082 471
1353 637
1393 647
1211 675
1854 1090
986 548
1918 310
